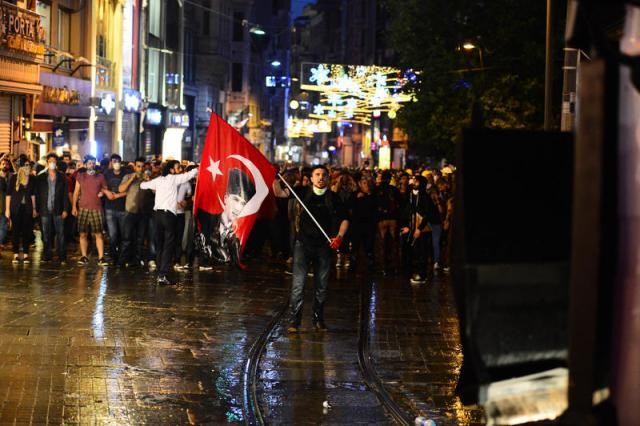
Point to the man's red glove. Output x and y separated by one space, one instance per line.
335 242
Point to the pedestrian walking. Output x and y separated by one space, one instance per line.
415 228
165 210
326 216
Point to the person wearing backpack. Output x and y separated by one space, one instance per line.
312 245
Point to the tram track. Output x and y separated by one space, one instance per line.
251 406
253 415
371 377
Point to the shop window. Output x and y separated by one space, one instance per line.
64 30
189 59
238 27
154 67
155 9
44 10
236 77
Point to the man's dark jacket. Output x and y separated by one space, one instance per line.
61 198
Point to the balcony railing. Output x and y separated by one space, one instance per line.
104 73
62 60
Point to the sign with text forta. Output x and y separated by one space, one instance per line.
21 32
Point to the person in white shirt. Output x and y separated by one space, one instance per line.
165 213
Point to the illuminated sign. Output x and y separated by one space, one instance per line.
21 31
107 104
60 95
275 81
352 92
177 118
131 100
154 116
172 78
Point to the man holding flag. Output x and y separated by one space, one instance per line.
234 181
323 214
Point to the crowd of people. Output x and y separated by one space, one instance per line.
399 220
120 214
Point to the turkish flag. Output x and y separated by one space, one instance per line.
233 183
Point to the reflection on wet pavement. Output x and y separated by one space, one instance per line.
299 372
96 346
105 346
414 344
416 348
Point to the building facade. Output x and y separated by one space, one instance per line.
22 50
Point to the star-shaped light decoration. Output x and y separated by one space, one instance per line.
345 84
352 103
214 168
334 99
380 79
318 109
320 75
59 132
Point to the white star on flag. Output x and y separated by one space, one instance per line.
214 168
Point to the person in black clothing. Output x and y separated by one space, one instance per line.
415 229
20 202
345 189
388 212
52 204
363 228
311 245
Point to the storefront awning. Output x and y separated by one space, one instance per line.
20 88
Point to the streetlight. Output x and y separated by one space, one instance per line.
468 46
276 63
257 30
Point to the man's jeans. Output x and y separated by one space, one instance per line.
320 256
3 227
135 232
53 226
116 228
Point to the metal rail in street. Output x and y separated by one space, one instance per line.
250 404
369 373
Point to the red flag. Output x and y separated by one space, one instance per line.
234 181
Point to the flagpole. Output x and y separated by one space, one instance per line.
305 207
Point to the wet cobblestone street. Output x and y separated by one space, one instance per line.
107 346
94 346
